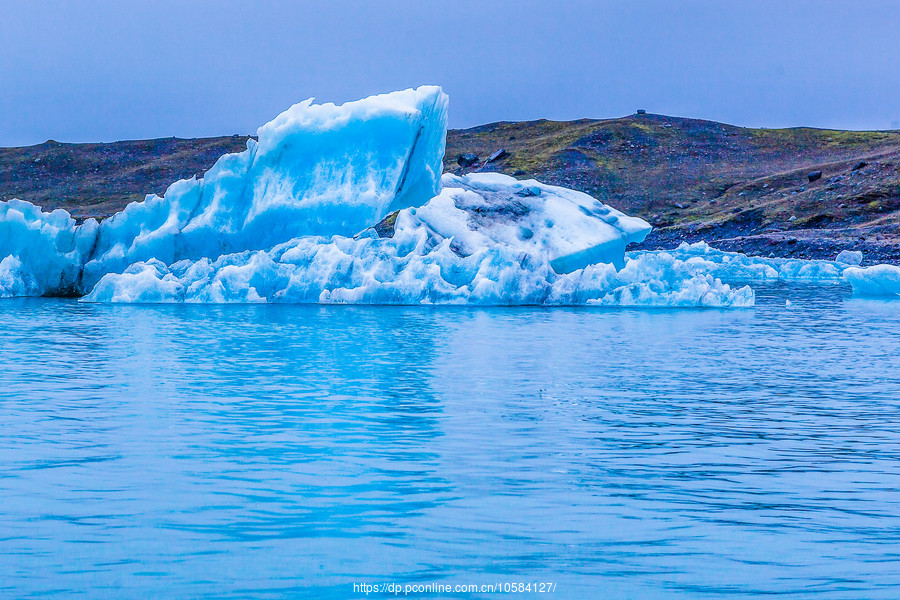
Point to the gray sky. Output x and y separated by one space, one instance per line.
108 70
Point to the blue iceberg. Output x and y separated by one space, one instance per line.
316 169
347 204
878 280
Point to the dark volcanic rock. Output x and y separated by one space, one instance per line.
385 228
814 176
501 153
859 165
466 160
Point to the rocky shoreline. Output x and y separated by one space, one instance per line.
878 245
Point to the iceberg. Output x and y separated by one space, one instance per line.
878 280
347 204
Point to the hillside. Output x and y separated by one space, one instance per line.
98 180
743 189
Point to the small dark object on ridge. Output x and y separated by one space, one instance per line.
518 172
466 160
814 176
641 111
497 155
859 165
387 226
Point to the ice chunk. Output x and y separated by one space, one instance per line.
734 266
149 282
15 280
849 257
572 228
40 253
879 280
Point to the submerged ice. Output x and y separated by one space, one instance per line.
346 204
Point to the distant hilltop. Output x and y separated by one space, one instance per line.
798 192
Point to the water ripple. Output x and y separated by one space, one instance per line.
281 451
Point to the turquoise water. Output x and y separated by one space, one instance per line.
292 451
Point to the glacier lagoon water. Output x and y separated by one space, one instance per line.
290 451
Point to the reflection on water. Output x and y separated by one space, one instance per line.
272 451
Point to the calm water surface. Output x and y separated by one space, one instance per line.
290 451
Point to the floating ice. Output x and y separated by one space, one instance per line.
700 257
879 280
573 229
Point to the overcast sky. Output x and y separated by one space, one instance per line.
103 71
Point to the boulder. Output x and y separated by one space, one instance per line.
814 176
849 257
497 155
466 160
